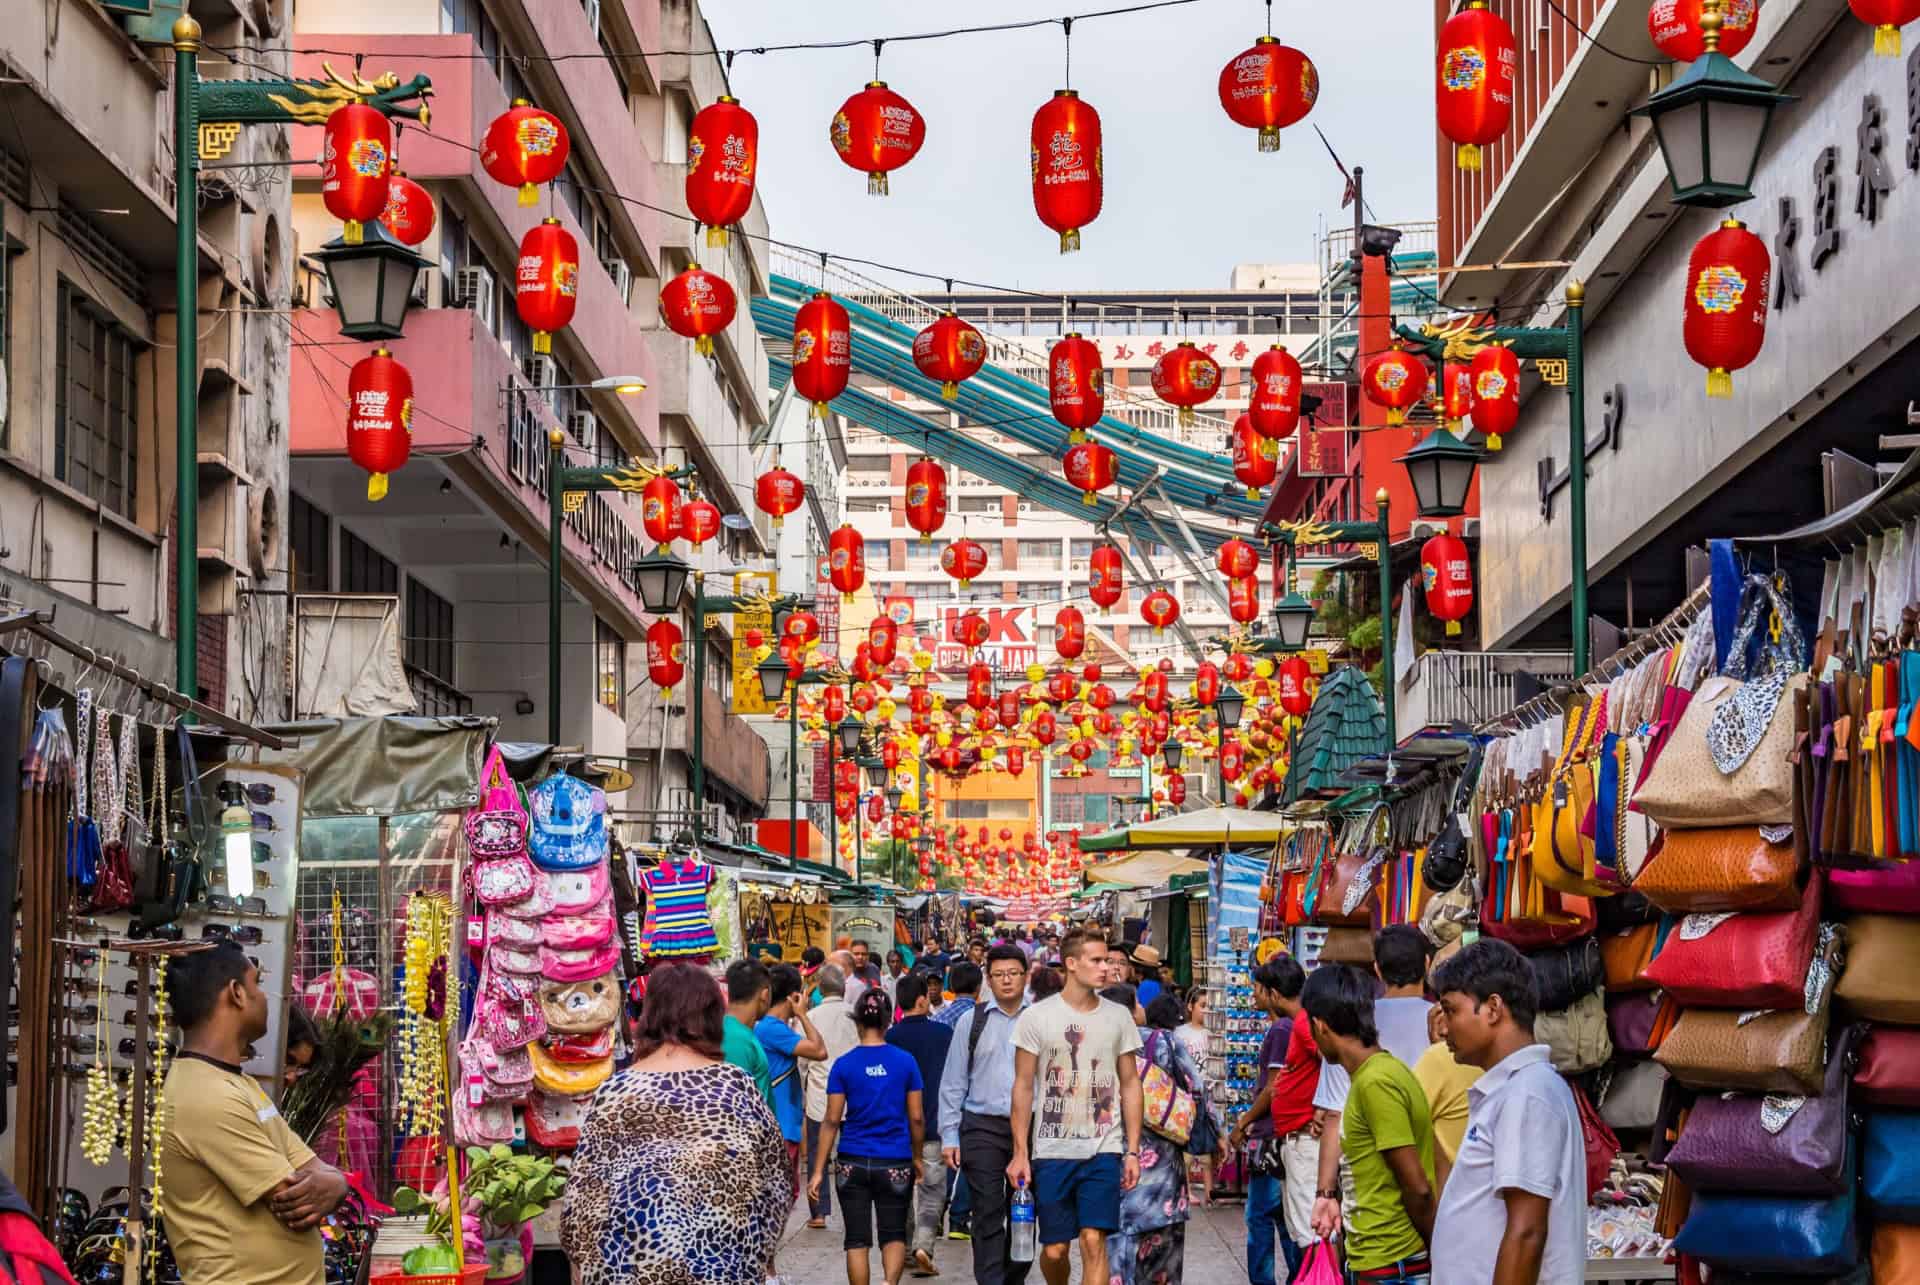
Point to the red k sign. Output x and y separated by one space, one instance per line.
1003 625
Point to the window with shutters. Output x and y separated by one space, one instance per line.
95 425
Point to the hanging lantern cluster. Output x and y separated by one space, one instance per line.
777 493
356 162
822 351
877 131
1495 375
379 418
926 497
1185 377
951 351
1064 154
546 281
723 163
1473 82
1090 467
1674 27
1274 401
1076 384
1268 88
1726 303
846 561
1395 379
698 305
1446 576
525 147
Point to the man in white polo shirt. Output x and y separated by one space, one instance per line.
1515 1208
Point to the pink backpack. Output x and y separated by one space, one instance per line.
509 1011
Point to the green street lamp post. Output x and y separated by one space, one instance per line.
1712 123
207 116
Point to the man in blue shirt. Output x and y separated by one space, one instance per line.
963 980
976 1103
784 1048
1146 972
929 1042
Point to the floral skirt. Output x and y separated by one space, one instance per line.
1154 1257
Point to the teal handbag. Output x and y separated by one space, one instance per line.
1780 1234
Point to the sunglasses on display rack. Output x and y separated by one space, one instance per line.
87 1013
260 793
264 821
162 932
245 934
125 1048
221 904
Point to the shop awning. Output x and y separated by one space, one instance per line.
1148 869
1208 827
1895 501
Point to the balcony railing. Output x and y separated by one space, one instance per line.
1473 686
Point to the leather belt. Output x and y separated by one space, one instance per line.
13 679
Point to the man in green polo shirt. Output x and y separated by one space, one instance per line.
749 991
1386 1134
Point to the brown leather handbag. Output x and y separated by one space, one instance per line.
1723 868
1348 886
1625 953
1883 961
1896 1253
1760 1052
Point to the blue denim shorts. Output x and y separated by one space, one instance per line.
1072 1196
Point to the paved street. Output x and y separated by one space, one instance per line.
1215 1241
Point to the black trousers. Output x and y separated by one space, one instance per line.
986 1149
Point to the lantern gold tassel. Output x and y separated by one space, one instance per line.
877 183
1453 628
1186 417
1493 441
704 345
716 236
352 230
819 410
543 341
949 391
1466 156
376 486
1886 41
1088 497
1719 382
1269 138
529 194
1253 493
1070 240
1395 417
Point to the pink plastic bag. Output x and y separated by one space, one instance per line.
1321 1266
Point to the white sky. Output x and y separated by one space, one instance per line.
1187 195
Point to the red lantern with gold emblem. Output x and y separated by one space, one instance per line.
778 493
833 705
1159 609
546 281
409 212
970 629
1273 403
1674 26
379 418
699 521
1397 380
723 161
1238 668
1070 633
1456 393
1233 759
1296 678
1080 751
1185 377
1446 575
1726 303
660 510
1237 558
1267 88
1243 599
876 131
1016 760
523 148
666 655
979 684
949 350
1473 80
1206 683
883 636
822 351
1495 373
1076 383
1008 707
1104 584
1090 467
803 627
1177 789
926 497
356 161
1067 168
963 560
1251 464
876 806
698 305
846 560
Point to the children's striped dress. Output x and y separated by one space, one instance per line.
677 919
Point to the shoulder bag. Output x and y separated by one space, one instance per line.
1564 974
1882 980
1783 1051
1765 1233
1169 1109
1783 1144
1563 857
1890 1165
1889 1070
1896 1253
1717 868
1576 1037
1775 959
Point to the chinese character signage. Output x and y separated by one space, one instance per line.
1323 438
748 696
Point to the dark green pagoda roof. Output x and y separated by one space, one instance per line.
1345 725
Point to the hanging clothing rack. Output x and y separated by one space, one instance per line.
1661 635
40 625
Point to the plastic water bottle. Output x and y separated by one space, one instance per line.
1023 1234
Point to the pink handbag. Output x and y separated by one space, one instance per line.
537 903
511 959
578 1048
579 932
510 1012
498 827
577 965
502 1076
505 881
576 892
510 930
1892 889
481 1124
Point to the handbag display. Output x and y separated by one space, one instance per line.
1757 960
481 1124
1347 946
1599 1144
1631 1019
1169 1108
1350 874
1890 1165
569 830
1564 974
1783 1144
580 1008
1563 853
579 891
1723 868
555 1120
498 827
1759 1052
1896 1253
1889 1070
1630 1098
1625 954
550 1075
1576 1037
509 1015
577 965
1892 888
1685 790
1762 1233
580 1048
1882 979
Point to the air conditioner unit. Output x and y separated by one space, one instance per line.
585 427
473 288
540 371
593 14
622 274
1427 530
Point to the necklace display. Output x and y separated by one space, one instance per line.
102 1110
157 1114
423 1066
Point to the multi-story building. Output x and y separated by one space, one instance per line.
456 555
87 269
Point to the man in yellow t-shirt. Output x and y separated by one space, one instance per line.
1445 1082
244 1197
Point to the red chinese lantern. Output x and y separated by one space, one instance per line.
979 684
1160 609
1089 466
833 706
660 510
1267 88
1206 683
1395 379
802 626
778 493
926 497
523 148
1076 383
883 636
409 212
1243 599
1062 687
723 160
1674 26
875 131
822 351
1104 582
356 160
1044 727
666 655
1184 377
970 629
1886 17
1447 577
1080 751
1177 789
1473 84
1726 303
963 560
1237 558
379 418
1016 760
1496 392
1233 760
1456 393
949 350
698 305
1296 678
699 521
846 561
1066 164
876 806
1238 668
546 280
1251 463
1070 633
1009 707
1274 401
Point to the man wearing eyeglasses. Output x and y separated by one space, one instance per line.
976 1105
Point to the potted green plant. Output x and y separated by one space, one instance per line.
500 1193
